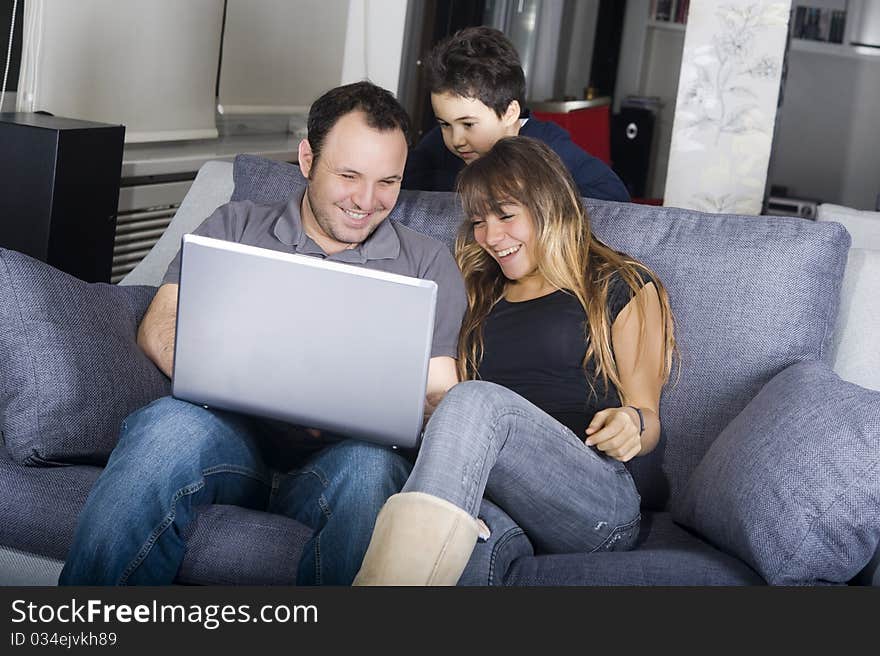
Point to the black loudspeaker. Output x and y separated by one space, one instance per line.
632 139
60 191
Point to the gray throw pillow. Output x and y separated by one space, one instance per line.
792 485
71 368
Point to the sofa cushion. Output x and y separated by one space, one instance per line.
750 294
72 369
39 506
229 545
665 554
226 545
792 485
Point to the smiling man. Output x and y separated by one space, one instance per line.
478 94
173 456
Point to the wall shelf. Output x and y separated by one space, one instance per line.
835 49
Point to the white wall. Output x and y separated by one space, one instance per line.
373 42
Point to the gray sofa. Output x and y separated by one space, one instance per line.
767 471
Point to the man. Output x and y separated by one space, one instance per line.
173 455
478 93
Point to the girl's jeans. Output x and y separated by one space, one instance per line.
568 497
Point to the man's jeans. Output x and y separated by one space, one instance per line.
568 497
173 456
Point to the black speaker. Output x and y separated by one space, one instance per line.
60 191
632 139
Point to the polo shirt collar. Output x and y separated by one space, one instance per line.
383 244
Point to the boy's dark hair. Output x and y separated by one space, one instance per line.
382 110
481 63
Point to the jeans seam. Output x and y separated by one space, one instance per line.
313 471
509 535
163 525
620 528
187 490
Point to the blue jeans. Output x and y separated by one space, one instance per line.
568 497
173 456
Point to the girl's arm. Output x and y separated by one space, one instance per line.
640 365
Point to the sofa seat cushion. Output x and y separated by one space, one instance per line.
71 367
39 506
792 485
665 554
229 545
226 545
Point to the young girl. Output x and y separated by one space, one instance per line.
564 348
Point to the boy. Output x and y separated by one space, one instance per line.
477 92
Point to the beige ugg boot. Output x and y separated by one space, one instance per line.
419 539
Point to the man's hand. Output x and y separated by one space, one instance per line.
615 432
442 376
432 400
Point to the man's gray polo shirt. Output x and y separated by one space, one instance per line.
392 247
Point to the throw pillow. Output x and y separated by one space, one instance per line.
71 367
792 485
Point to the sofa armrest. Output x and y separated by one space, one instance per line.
211 189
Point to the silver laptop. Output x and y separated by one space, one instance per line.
314 343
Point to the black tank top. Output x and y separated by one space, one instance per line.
536 348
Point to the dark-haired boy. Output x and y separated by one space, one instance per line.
477 92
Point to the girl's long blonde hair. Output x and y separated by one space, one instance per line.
569 256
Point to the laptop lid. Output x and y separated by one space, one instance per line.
312 342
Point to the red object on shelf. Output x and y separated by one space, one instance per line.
589 127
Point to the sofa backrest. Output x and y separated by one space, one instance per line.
862 225
751 295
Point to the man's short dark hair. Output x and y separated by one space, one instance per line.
382 111
481 63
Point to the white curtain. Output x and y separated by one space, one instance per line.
726 105
148 64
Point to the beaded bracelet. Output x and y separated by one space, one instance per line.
641 418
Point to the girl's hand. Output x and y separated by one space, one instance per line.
615 432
